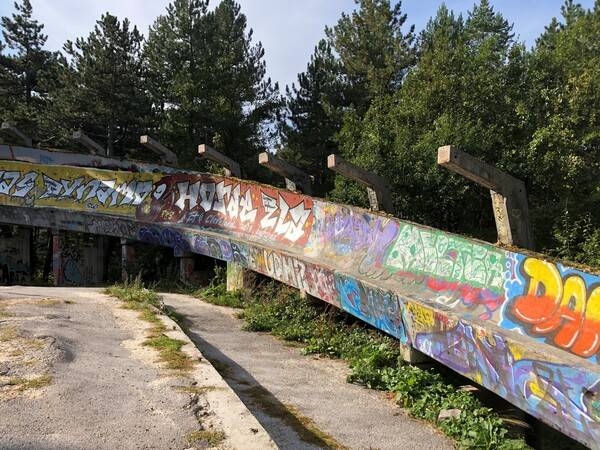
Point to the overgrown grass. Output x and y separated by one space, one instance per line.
217 294
375 362
139 298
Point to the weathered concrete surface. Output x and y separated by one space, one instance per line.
523 326
270 377
107 390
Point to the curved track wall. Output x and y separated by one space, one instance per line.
522 326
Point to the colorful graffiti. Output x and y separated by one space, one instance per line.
567 397
379 308
561 305
527 328
201 201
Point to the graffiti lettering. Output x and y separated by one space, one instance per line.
563 308
132 193
15 185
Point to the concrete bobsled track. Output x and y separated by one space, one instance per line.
524 327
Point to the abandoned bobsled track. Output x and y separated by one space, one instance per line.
523 326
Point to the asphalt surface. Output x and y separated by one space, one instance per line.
286 390
105 389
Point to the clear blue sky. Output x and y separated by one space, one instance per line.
288 29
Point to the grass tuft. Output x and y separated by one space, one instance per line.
210 438
8 333
137 297
30 383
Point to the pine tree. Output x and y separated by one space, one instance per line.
374 50
208 81
313 116
27 72
103 91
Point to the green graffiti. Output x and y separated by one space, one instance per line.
441 255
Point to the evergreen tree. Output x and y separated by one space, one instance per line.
103 91
465 91
563 155
28 72
374 51
207 81
313 116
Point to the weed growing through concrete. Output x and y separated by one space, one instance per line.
217 294
209 438
137 297
375 362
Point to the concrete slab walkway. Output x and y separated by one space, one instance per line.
286 391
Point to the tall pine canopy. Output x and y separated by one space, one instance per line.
207 82
103 85
27 71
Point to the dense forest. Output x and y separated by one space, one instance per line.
374 91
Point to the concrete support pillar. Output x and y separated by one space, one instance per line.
57 263
186 265
238 277
100 263
127 259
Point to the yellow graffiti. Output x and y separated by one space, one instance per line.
566 308
420 315
23 184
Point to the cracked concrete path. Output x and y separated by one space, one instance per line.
100 387
288 392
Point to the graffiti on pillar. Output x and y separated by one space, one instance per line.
72 266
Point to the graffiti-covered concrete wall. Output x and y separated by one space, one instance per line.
525 327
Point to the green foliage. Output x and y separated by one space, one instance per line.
28 74
373 50
135 295
217 294
207 82
313 117
102 86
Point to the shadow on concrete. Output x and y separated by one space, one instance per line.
287 428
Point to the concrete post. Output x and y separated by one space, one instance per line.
232 168
186 265
57 263
509 196
100 263
89 143
379 195
237 276
166 155
127 259
295 179
11 128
